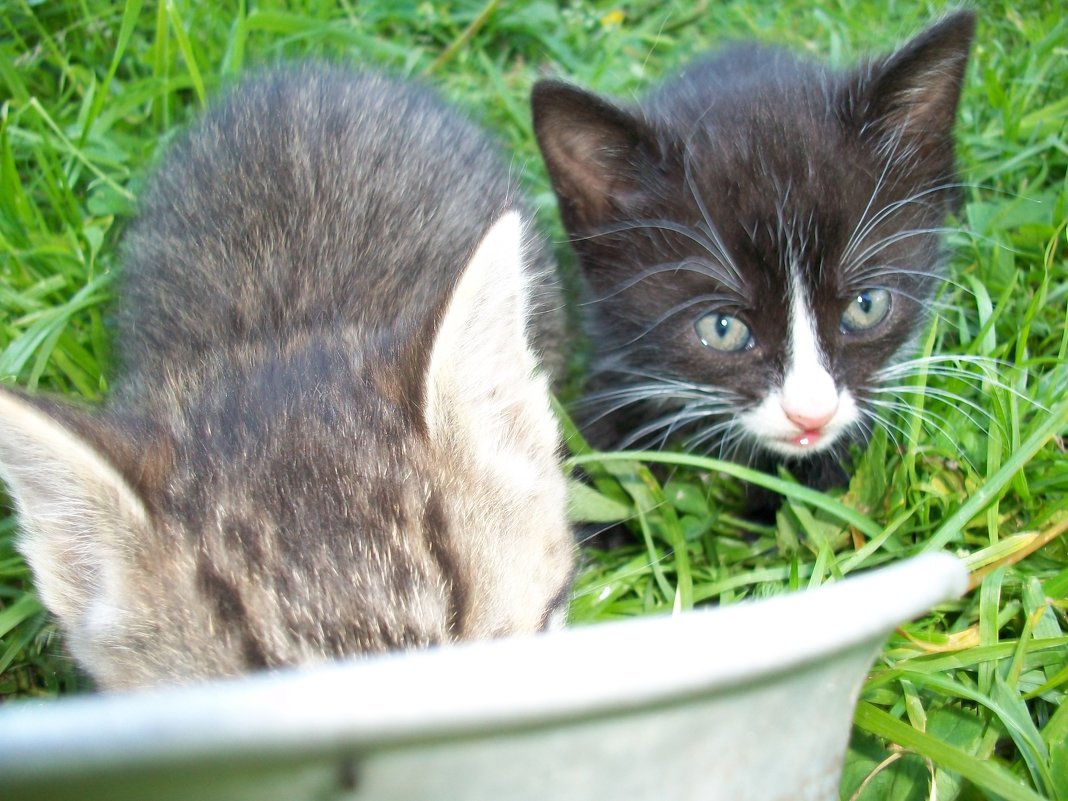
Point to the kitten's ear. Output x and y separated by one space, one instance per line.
76 511
597 154
914 93
481 388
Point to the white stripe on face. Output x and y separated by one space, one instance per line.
809 395
808 412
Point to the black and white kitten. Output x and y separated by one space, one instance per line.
760 237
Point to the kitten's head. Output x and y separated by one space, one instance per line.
327 499
759 237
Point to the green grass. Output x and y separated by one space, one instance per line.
972 696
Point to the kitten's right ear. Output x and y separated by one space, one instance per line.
598 155
483 390
76 511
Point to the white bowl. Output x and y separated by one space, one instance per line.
751 701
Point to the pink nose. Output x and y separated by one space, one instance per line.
810 420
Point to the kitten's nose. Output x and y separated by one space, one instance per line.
810 419
809 398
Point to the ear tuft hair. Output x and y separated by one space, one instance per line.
914 93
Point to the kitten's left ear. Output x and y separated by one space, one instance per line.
915 91
482 389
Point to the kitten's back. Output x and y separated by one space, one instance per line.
331 437
301 203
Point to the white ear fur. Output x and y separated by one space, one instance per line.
74 509
481 377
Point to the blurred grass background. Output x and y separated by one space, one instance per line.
966 703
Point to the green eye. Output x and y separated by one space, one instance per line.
723 332
866 310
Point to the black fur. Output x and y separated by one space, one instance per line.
694 200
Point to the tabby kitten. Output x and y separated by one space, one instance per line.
760 238
329 436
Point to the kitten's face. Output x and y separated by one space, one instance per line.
787 307
759 239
